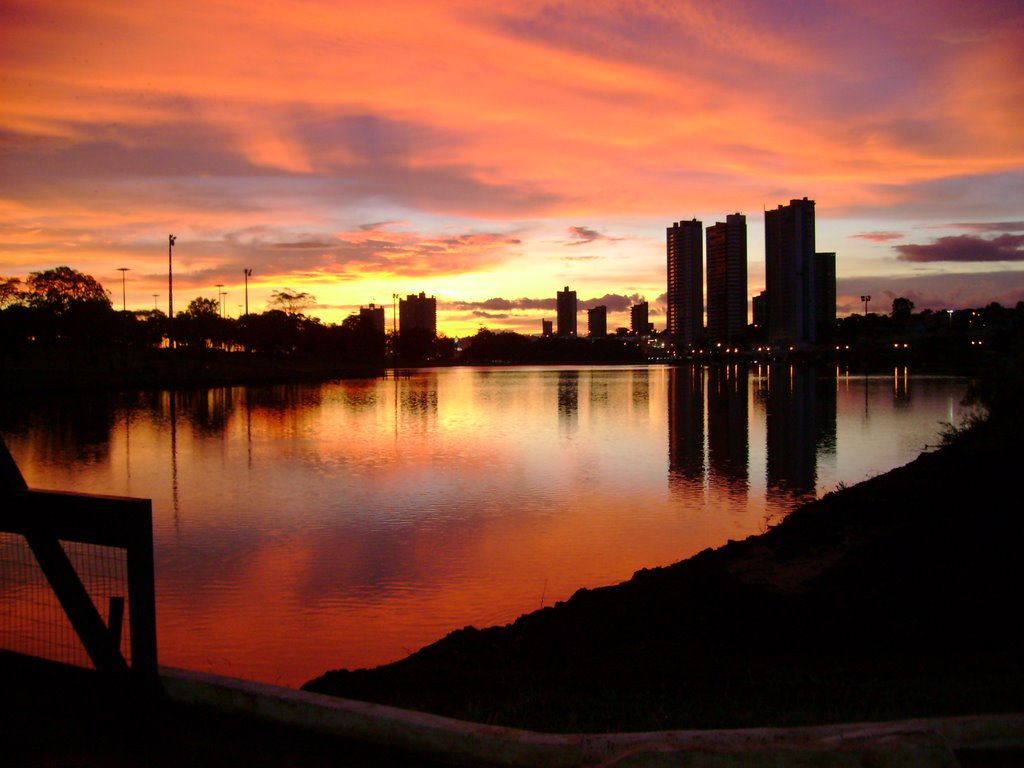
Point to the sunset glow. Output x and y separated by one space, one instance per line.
490 155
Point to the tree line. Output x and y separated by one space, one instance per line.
63 306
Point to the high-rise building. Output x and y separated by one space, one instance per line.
417 313
639 319
567 312
685 282
372 317
790 272
759 310
597 322
545 328
825 278
727 279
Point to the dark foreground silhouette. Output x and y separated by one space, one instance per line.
897 597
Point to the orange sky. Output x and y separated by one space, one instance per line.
490 157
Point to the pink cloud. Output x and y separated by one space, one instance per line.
966 248
879 237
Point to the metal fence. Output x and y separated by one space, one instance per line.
76 577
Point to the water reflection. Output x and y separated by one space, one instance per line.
310 526
728 451
686 425
792 428
568 399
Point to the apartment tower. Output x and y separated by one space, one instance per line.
727 279
685 282
418 313
566 312
790 272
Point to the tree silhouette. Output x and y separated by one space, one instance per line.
61 288
291 302
10 290
902 308
200 324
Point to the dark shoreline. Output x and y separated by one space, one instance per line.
77 369
83 369
894 598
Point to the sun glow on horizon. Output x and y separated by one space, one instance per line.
488 155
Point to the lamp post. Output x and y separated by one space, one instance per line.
866 298
170 291
220 294
248 274
124 304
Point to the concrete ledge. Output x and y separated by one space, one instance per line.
925 742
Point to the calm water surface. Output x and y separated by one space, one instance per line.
309 527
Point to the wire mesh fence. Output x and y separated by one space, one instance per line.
32 620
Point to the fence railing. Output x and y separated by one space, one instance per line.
45 519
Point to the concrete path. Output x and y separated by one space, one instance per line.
60 716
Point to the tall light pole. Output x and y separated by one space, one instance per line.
248 274
220 302
170 292
124 304
155 297
866 298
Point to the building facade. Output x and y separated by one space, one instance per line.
685 275
825 277
639 319
372 317
727 279
790 272
566 312
417 313
597 322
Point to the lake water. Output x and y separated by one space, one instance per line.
308 527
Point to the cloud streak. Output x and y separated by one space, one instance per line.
966 248
475 138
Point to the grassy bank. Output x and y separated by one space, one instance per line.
897 597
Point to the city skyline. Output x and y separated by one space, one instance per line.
483 155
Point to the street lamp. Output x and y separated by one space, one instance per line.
124 304
866 298
248 274
170 292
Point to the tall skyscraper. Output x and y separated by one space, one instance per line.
639 319
790 272
685 282
727 279
567 312
417 313
597 322
825 275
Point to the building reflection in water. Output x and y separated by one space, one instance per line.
568 399
800 422
709 426
640 388
686 425
728 447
